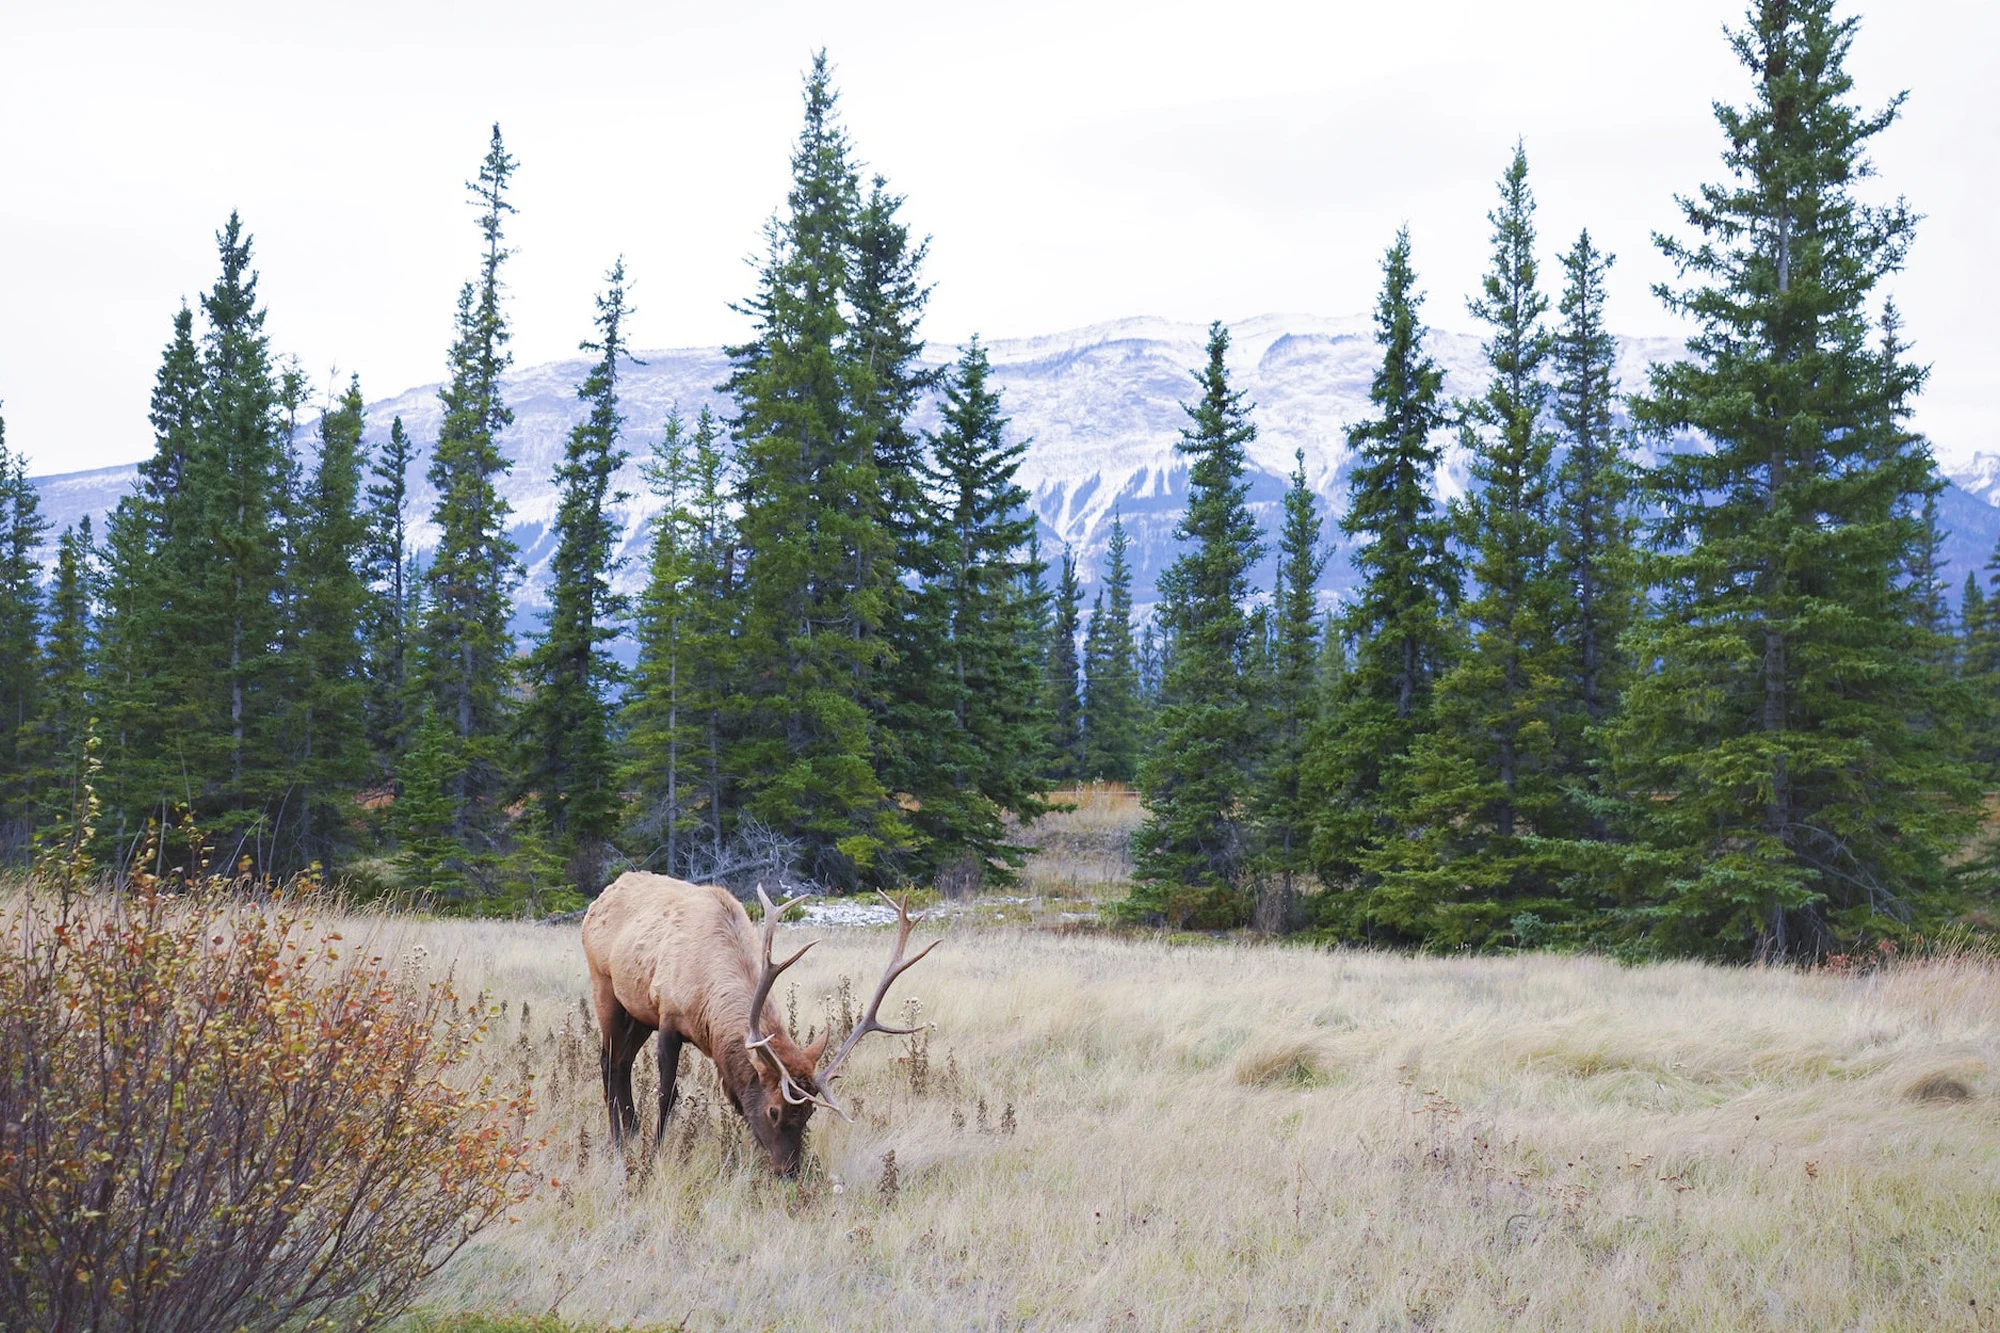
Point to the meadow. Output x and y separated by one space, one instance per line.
1110 1131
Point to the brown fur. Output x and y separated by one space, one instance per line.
682 960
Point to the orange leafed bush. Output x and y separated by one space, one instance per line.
214 1115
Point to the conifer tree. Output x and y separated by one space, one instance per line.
1398 622
567 757
672 714
328 739
429 852
464 647
228 558
1784 802
64 736
1111 724
21 530
1485 794
818 546
986 759
1594 524
1283 810
1065 694
142 706
1191 853
392 611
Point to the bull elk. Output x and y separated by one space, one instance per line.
683 960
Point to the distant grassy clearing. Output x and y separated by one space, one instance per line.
1261 1137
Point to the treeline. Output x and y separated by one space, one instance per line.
1714 705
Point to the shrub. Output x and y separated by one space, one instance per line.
214 1115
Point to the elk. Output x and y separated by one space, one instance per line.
683 960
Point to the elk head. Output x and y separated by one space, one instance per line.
790 1085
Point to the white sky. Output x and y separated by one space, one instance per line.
1075 161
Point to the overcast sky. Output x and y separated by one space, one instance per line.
1074 162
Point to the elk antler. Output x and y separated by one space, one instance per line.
767 973
897 966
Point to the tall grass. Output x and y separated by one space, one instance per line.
1124 1134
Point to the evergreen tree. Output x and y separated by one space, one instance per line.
429 853
819 579
21 530
227 559
1784 800
1485 797
1065 695
331 600
1398 622
1191 852
1594 524
64 734
1283 809
143 702
567 757
681 626
1111 723
464 647
392 612
986 757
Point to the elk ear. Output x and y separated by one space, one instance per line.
773 1111
817 1049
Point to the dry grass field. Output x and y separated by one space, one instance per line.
1114 1133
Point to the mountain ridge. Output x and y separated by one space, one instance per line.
1099 405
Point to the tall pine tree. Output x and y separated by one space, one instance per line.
1193 849
1283 808
21 530
819 578
1784 800
1112 734
567 760
1485 792
464 646
1399 621
392 610
1064 682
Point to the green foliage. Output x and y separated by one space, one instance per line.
1399 620
673 716
63 732
1789 755
21 529
819 576
393 608
1483 798
430 855
1113 735
1064 677
1283 808
464 649
1191 853
567 759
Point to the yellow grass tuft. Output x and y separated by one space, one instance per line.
1955 1083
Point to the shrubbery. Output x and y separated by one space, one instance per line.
217 1114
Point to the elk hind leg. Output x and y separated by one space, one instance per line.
670 1068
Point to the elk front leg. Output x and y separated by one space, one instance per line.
623 1036
670 1068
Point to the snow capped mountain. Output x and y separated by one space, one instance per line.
1100 406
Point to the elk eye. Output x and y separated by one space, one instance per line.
772 1111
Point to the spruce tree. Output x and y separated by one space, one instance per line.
1485 792
986 758
21 530
567 760
1399 619
328 740
1783 799
228 561
1064 676
1282 808
464 647
1594 524
819 578
64 735
1111 722
392 610
1191 853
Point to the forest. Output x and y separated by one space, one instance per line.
1718 705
